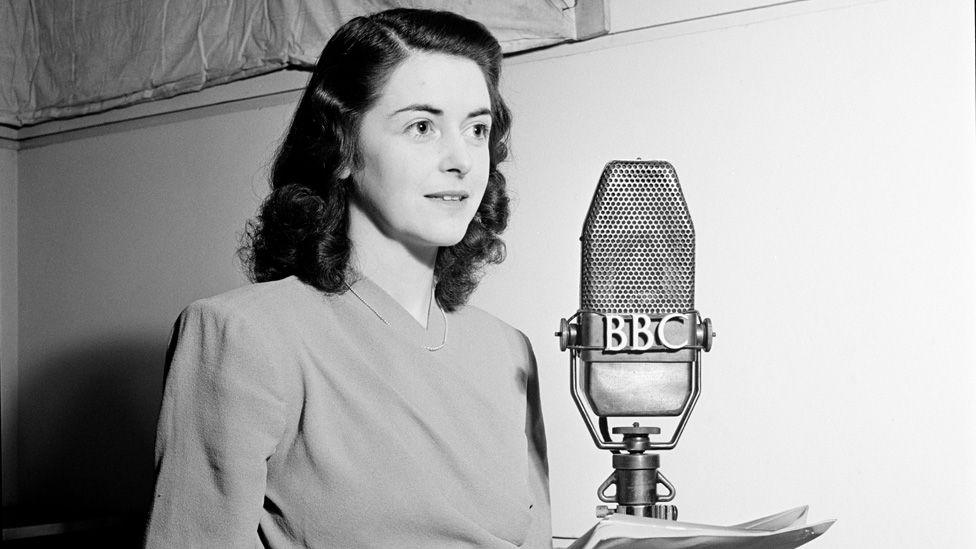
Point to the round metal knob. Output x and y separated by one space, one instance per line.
636 429
566 334
667 512
637 438
706 335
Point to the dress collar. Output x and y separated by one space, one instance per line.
372 298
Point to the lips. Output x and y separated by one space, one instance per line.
448 196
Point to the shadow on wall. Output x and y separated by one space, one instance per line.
87 428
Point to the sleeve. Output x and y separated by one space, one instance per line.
540 534
220 420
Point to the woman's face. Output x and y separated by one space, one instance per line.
423 152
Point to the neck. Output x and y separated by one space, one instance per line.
406 273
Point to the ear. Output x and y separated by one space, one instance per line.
344 173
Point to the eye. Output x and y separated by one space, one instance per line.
421 129
480 131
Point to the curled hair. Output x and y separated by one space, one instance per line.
302 227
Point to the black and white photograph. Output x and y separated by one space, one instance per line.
586 274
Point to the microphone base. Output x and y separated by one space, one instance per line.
657 511
636 476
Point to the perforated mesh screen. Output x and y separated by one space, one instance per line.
638 242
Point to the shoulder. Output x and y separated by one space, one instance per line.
256 300
268 305
245 333
262 314
472 318
469 314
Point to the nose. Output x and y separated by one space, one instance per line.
455 155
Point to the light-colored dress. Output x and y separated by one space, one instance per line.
292 418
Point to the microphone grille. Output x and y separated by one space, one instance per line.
638 242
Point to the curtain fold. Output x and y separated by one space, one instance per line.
67 58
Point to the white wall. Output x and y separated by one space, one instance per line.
827 157
118 232
8 320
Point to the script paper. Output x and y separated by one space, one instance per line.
780 531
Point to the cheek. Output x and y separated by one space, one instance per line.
382 175
482 166
484 169
404 170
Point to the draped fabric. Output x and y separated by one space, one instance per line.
67 58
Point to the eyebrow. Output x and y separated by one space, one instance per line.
437 112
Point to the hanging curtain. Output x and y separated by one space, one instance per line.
67 58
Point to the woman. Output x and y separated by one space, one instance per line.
349 398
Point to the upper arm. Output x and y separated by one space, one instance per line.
221 419
535 433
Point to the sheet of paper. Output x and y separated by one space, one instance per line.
783 530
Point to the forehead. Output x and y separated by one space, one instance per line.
440 80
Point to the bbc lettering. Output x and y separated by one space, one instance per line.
638 332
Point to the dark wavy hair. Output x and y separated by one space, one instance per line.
302 226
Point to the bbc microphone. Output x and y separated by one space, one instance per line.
636 341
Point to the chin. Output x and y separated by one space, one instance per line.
448 242
448 238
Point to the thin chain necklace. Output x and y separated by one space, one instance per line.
385 321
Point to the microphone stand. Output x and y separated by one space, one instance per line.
636 473
636 477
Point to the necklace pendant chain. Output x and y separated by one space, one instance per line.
444 340
387 322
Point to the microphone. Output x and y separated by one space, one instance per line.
636 341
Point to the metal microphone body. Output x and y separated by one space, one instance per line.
635 343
